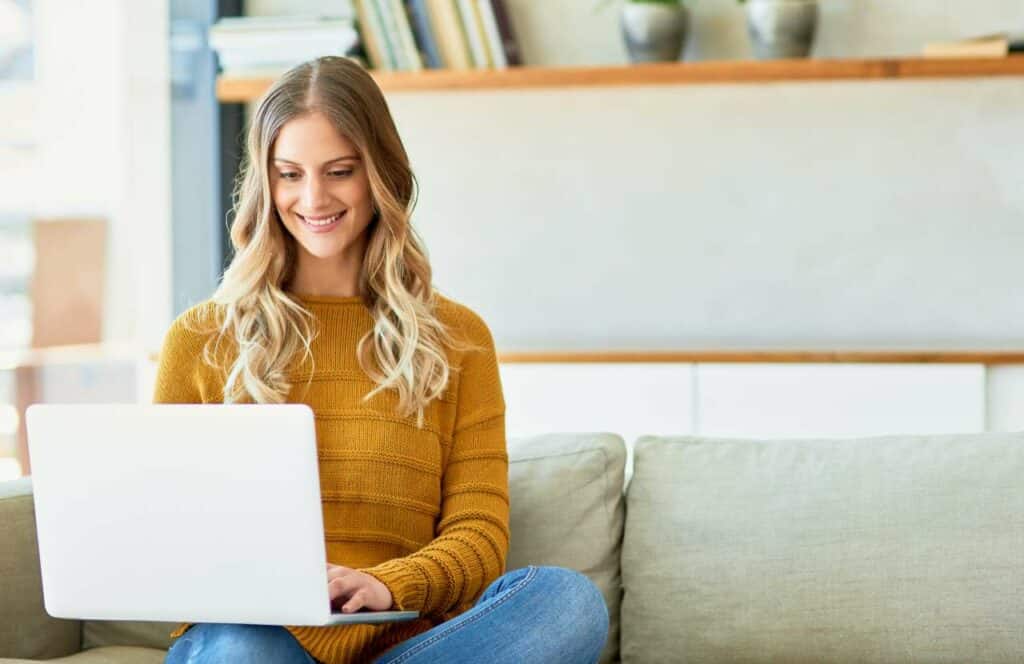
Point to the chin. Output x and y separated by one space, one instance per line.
322 251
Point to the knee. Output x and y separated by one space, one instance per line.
241 641
580 603
214 643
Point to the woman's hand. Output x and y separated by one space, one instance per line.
354 590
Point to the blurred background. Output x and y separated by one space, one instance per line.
772 218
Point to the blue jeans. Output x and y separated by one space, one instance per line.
528 615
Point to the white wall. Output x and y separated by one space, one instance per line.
882 214
856 214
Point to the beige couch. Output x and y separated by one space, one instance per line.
899 549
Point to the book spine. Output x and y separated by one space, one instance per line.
371 37
445 18
495 47
481 31
406 40
390 33
513 54
990 49
424 34
476 49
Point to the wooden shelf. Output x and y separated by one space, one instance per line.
797 356
100 353
240 90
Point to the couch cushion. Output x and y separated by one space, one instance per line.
26 630
111 655
98 633
871 550
567 510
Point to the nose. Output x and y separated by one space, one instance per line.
314 194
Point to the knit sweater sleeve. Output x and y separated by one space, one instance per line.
469 551
178 375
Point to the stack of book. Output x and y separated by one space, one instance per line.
412 35
260 44
989 46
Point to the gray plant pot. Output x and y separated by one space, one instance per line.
654 32
782 28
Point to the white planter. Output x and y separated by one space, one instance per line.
654 32
782 28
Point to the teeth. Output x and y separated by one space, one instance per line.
322 222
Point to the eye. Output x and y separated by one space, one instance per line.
289 175
340 174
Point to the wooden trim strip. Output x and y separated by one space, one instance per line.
241 90
104 353
770 356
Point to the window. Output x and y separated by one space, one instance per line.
16 250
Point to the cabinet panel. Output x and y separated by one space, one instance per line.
775 400
1005 387
627 399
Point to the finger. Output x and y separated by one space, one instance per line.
342 587
338 572
357 602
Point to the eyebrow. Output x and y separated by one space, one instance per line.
350 157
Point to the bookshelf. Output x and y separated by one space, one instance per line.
234 89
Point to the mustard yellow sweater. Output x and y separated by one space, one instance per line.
425 511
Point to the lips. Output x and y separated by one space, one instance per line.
322 223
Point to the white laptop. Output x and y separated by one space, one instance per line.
182 513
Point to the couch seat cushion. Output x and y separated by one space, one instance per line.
147 634
106 655
867 550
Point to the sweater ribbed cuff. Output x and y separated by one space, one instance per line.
404 580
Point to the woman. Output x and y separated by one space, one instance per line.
328 301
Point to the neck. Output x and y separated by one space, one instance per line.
337 276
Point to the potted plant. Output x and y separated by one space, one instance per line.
653 30
781 28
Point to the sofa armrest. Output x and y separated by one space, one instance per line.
26 630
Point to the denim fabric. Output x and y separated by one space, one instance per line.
224 643
531 615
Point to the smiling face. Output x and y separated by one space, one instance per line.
321 190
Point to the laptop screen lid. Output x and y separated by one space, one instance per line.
190 513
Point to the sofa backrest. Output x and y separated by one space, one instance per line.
568 510
26 631
869 550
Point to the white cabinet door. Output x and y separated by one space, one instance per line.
1006 398
802 400
627 399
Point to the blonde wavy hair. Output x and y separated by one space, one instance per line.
404 350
